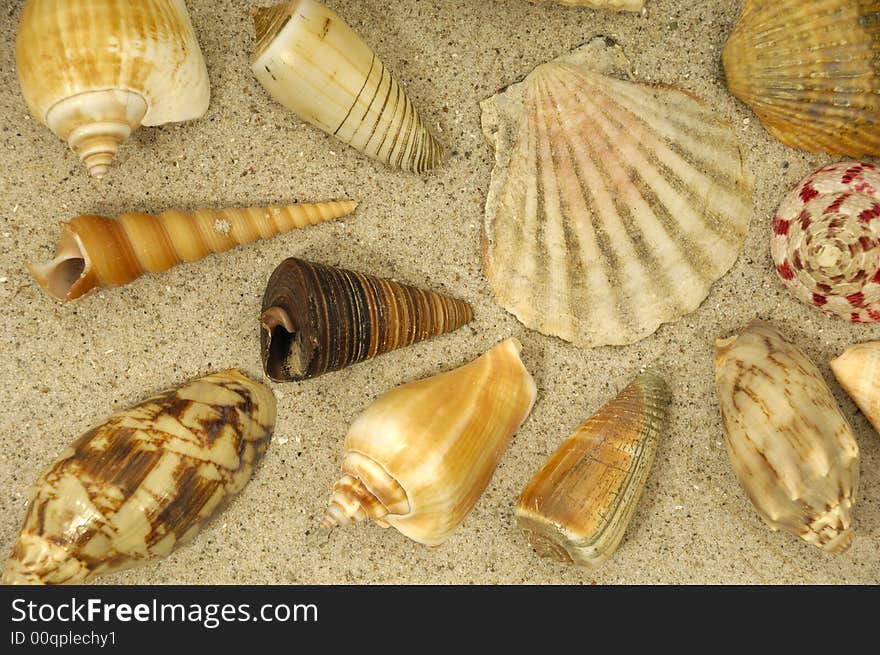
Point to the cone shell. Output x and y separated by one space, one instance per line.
93 71
858 371
826 241
96 251
577 507
809 71
790 446
421 455
143 482
619 5
313 63
613 206
319 318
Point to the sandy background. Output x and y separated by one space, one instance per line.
67 367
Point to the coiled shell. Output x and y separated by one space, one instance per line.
319 318
96 251
826 241
858 371
143 482
790 446
809 72
313 63
421 455
94 71
577 507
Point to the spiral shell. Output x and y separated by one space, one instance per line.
577 507
858 371
96 251
143 482
319 318
421 455
313 63
790 446
826 241
94 71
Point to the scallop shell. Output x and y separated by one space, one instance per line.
858 371
421 455
809 71
577 507
96 251
826 241
313 63
790 446
319 318
619 5
613 206
94 71
143 482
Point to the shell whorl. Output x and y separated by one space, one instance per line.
366 490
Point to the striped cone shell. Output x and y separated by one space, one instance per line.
319 318
613 206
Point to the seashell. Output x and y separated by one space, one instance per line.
858 371
93 71
143 482
96 251
790 446
619 5
313 63
421 455
826 241
577 507
613 206
319 318
809 72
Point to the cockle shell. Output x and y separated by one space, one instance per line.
790 446
826 241
809 71
421 455
858 371
319 318
613 206
619 5
577 507
94 71
96 251
313 63
143 482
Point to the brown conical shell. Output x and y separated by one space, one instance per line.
319 318
97 251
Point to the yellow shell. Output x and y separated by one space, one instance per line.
858 371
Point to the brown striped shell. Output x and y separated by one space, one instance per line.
319 318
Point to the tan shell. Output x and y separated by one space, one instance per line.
94 71
143 482
619 5
858 371
790 446
421 455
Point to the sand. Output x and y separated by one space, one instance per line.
67 367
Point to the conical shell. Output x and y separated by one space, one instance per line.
94 71
96 251
858 371
809 71
577 507
421 455
790 446
619 5
143 482
313 63
613 206
319 318
826 241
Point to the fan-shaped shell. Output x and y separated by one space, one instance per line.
613 205
825 241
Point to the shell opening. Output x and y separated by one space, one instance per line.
284 348
65 276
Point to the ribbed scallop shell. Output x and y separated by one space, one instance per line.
858 371
826 241
809 71
96 251
619 5
790 446
577 507
143 482
613 205
319 318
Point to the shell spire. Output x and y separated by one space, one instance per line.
858 371
96 251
